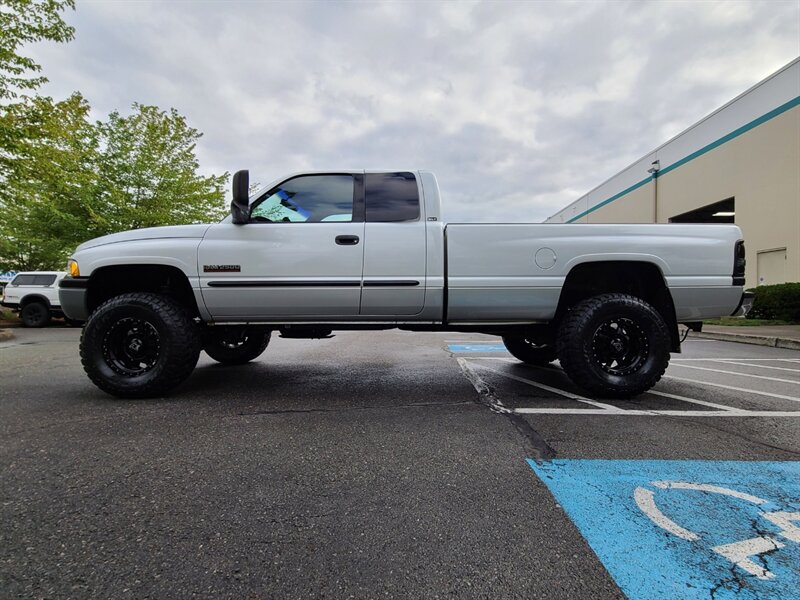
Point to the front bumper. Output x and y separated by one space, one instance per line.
72 293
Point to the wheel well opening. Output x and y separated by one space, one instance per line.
32 298
640 279
107 282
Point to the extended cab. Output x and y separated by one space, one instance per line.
323 251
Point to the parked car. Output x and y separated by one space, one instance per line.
34 294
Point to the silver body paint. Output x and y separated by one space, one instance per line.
487 273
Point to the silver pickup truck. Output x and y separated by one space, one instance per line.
322 251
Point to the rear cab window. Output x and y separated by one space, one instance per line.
391 197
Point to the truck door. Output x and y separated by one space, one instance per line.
300 256
394 256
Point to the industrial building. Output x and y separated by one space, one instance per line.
740 164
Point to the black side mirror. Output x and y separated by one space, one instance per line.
240 207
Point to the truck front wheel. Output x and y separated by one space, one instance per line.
529 350
236 345
614 345
139 345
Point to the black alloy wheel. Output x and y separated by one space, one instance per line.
620 346
139 345
131 346
614 345
235 345
530 350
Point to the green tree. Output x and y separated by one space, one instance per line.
48 201
69 180
65 179
148 168
24 22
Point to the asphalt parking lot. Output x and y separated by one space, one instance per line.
400 465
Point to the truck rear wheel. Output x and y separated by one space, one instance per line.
529 350
614 345
139 345
236 345
35 314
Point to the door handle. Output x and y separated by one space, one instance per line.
347 240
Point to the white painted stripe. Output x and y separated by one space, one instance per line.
693 401
744 364
570 395
658 393
734 388
784 520
738 374
705 487
646 502
791 360
657 413
501 359
738 553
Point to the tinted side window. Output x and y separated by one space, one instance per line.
23 280
391 197
309 198
43 279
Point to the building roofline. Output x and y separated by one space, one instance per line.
682 133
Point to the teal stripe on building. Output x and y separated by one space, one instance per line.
705 149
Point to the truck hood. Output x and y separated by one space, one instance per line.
148 233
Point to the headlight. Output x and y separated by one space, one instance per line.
72 267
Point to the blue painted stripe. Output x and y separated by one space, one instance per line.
463 348
611 501
708 148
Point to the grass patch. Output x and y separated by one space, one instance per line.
740 322
6 314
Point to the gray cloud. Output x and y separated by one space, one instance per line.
518 107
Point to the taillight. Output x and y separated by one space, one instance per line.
739 263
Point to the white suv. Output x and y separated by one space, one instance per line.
35 296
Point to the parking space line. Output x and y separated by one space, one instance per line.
727 361
734 388
652 391
791 360
657 413
547 388
739 374
721 410
694 401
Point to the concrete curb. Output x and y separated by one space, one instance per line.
6 335
759 340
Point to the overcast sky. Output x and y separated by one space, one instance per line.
518 107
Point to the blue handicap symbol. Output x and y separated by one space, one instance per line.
687 529
461 348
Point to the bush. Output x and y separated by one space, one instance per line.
780 301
